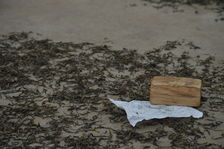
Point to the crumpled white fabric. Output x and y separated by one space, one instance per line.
143 110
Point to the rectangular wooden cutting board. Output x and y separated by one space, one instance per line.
175 91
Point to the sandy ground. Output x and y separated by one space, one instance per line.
121 23
58 99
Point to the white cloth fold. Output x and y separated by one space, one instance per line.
143 110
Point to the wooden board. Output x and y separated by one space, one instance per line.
175 91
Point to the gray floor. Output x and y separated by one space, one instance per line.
114 22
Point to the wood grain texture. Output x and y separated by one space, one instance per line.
175 91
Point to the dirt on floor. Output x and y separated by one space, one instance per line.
55 95
54 87
135 24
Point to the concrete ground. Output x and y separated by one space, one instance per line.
120 23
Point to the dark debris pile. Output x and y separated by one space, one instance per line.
189 2
215 5
54 95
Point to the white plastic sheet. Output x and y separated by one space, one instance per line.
143 110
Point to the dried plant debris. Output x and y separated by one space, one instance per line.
215 5
54 95
188 2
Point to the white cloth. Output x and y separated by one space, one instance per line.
143 110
